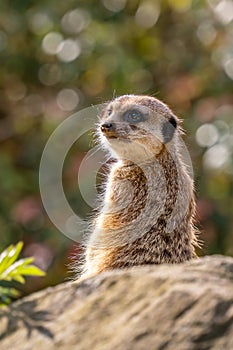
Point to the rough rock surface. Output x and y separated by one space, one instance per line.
184 307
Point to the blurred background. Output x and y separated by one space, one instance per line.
59 57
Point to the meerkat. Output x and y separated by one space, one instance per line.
147 210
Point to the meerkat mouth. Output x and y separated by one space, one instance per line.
111 137
117 138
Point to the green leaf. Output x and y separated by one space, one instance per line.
9 255
6 294
31 270
6 300
19 268
10 270
4 257
17 278
12 292
15 268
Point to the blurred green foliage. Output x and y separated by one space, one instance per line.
59 57
12 270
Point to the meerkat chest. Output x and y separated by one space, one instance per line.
145 184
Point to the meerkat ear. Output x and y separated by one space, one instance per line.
168 129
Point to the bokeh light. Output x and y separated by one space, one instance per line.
147 14
216 157
223 10
49 74
114 5
206 32
51 42
68 50
34 104
75 21
67 99
39 22
207 135
16 91
228 67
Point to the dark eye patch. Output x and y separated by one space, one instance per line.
168 129
173 121
134 116
109 111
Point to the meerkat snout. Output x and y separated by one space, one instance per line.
106 127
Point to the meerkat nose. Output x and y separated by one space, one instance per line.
106 127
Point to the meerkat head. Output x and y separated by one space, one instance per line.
137 128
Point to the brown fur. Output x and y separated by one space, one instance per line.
156 226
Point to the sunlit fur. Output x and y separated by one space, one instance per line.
148 206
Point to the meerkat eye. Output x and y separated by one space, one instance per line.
134 116
109 111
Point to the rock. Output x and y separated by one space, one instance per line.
184 307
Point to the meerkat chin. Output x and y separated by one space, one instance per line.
156 224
